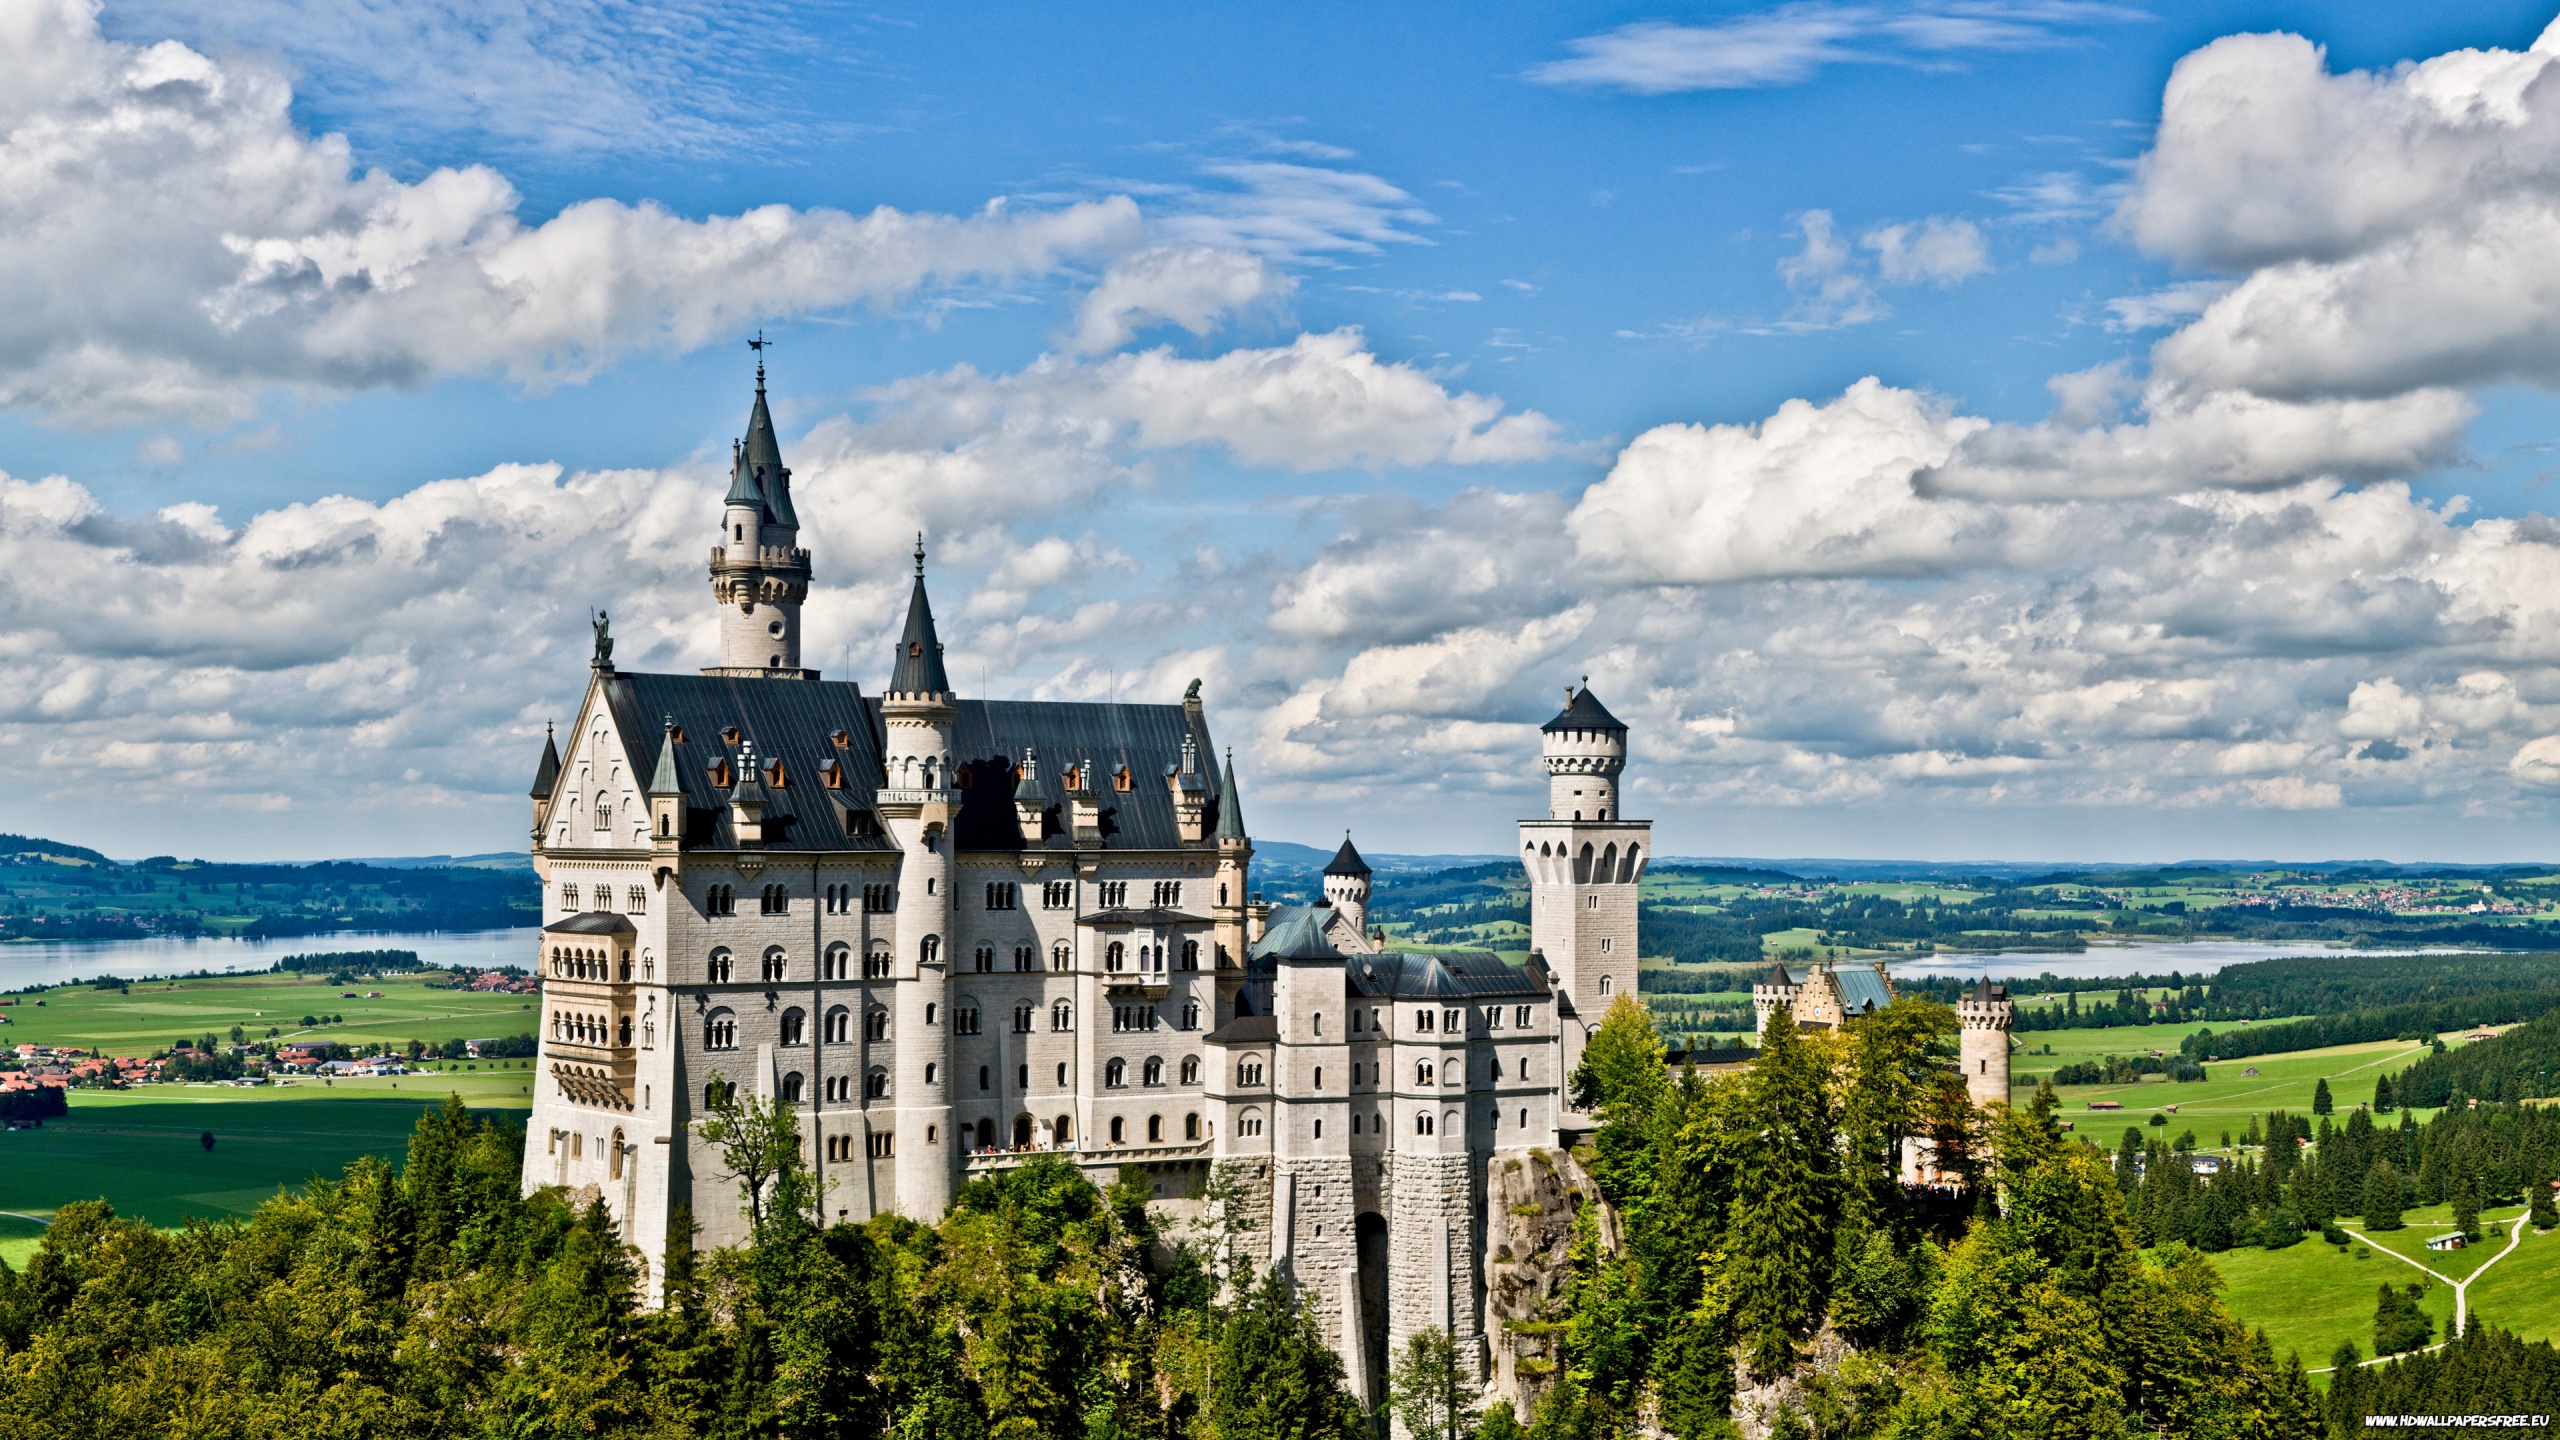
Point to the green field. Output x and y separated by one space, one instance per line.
148 1017
2310 1296
141 1150
2284 1081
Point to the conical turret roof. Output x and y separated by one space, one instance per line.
761 460
1230 805
1583 711
666 781
1347 861
547 774
919 668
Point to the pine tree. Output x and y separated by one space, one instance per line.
2542 1215
2382 1098
2321 1104
2466 1209
2382 1197
1779 1233
1429 1391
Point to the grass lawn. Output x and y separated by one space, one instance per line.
149 1016
2426 1222
2310 1296
2284 1081
140 1150
2523 1293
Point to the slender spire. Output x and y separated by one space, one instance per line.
665 781
919 669
1347 861
760 463
547 774
1230 804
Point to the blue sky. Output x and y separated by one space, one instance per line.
1410 417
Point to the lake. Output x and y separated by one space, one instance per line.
54 962
2197 957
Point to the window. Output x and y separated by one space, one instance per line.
1190 952
1248 1072
1607 985
1191 1126
719 968
839 962
1115 958
722 900
1115 893
1168 894
1155 1132
964 1020
1062 956
1026 960
1191 1015
1022 1014
831 900
1058 895
1191 1070
884 1143
1423 1020
839 1025
1493 1017
984 1074
1119 1131
1521 1017
1421 1072
568 897
875 966
1003 895
1318 1083
875 1086
622 1029
929 952
875 1023
1115 1074
1152 1073
791 1088
774 900
839 1087
1249 1123
635 901
879 899
928 1073
1453 1022
720 1031
795 1027
717 1094
775 963
1062 1016
984 960
604 814
1607 942
1421 1124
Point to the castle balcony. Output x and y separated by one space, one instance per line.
763 557
1007 1157
915 797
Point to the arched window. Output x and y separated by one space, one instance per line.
616 1161
1627 867
716 1095
792 1086
604 821
1152 1073
1119 1131
1062 1016
875 966
1115 1074
1422 1072
1062 956
1025 959
875 1023
1608 869
839 1025
1115 957
839 962
1249 1123
719 967
1421 1124
720 1030
1190 1069
1248 1072
930 952
984 960
795 1027
623 1031
775 963
1190 954
876 1084
1607 986
1022 1015
1063 1129
1155 1129
1191 1126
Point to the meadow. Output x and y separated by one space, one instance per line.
151 1015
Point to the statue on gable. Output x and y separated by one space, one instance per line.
604 640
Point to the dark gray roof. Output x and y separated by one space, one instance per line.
1583 711
592 922
1455 975
1296 932
546 774
1246 1030
1347 861
1862 988
760 476
919 662
797 721
1984 990
1230 805
663 780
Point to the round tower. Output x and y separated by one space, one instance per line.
917 805
1984 1046
759 573
1773 990
1346 886
1585 749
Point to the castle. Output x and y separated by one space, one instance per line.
954 934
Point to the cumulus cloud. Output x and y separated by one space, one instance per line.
175 244
1938 251
1193 286
1833 287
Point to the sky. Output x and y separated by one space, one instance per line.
1982 429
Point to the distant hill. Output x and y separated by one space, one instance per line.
53 891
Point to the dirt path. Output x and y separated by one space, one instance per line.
2461 1288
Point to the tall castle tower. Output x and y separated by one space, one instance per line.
1984 1044
1584 860
917 806
1346 886
758 572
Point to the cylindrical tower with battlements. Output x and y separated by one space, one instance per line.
1984 1013
1585 748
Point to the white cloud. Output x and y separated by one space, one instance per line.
1830 289
1788 45
1292 213
1193 286
1938 250
1833 288
174 244
2167 306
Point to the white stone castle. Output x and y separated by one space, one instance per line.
954 934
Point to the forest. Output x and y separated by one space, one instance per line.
1747 1252
53 891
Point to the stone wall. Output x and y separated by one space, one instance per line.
1532 1198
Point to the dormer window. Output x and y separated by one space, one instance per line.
841 739
729 736
831 773
775 777
1121 779
720 778
1074 778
